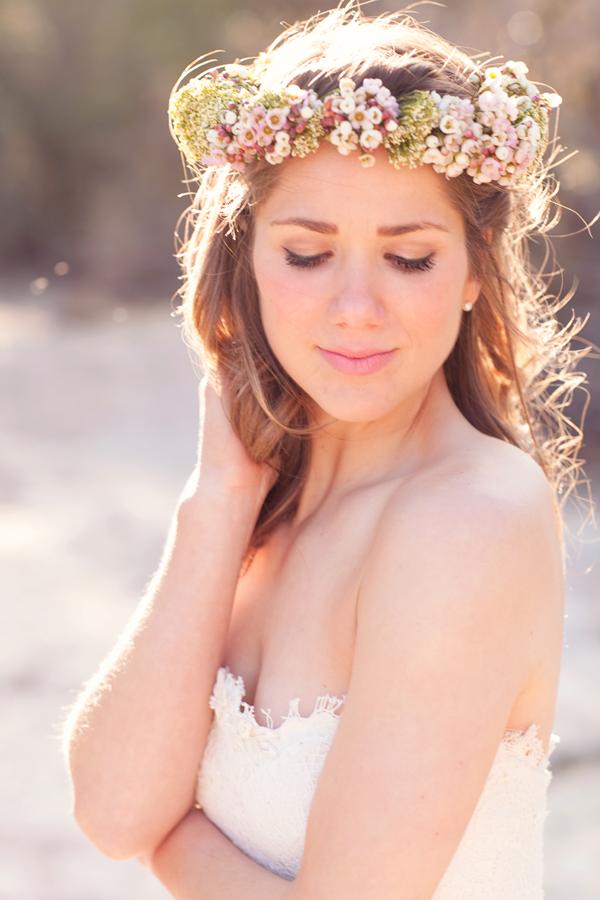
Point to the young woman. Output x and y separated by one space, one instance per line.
341 681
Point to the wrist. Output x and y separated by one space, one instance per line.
216 498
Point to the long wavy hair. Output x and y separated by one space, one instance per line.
512 371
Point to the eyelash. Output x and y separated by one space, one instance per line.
407 265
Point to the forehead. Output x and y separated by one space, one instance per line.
325 180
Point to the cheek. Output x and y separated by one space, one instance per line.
286 307
435 313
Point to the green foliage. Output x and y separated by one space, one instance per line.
90 171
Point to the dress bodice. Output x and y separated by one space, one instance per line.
256 783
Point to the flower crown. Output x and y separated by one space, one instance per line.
227 117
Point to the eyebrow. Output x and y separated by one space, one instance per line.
385 230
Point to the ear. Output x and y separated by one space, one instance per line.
472 290
473 286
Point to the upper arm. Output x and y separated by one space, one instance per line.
447 610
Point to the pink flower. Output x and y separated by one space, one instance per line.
247 137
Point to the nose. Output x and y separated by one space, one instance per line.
356 301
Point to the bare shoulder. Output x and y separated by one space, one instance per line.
482 528
490 483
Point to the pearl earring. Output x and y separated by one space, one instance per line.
468 307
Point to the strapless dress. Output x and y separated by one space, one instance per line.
256 783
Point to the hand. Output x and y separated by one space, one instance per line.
223 461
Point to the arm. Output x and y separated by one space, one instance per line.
451 599
196 861
135 737
393 834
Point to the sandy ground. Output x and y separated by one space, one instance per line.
99 428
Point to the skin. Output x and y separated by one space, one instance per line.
393 465
389 421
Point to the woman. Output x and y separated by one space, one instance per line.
341 681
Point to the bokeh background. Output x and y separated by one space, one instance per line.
99 414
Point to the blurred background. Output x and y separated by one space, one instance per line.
99 403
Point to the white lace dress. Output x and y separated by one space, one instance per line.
256 784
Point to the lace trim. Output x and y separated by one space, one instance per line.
229 690
529 744
227 699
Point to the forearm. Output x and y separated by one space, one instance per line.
198 862
136 735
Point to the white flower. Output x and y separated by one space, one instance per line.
452 142
382 95
524 102
486 118
295 92
454 169
276 117
432 155
469 146
347 105
370 138
503 152
228 117
517 67
346 85
462 159
282 138
306 112
522 153
340 137
492 75
491 167
432 140
212 135
490 101
391 125
449 125
372 85
553 100
375 115
359 117
366 160
512 106
273 158
235 69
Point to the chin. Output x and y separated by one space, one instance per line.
359 404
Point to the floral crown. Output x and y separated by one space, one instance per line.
227 117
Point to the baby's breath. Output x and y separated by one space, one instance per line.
495 135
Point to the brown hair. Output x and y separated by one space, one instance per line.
511 371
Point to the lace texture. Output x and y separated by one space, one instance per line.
256 783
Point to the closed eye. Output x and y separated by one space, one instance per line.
401 262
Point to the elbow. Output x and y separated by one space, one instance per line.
118 841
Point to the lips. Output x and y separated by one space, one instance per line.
354 354
357 365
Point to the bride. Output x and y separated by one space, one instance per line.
341 681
